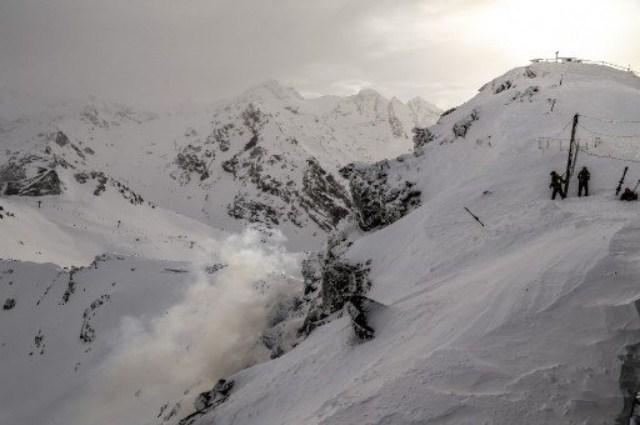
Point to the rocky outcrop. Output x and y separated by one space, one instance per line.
245 208
421 137
461 127
45 182
102 182
209 400
377 201
9 303
325 200
331 284
193 160
87 331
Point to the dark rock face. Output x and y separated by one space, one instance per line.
9 304
421 136
209 400
46 182
505 85
461 127
87 332
61 139
102 181
331 282
342 280
526 95
252 211
358 308
530 73
377 201
325 200
193 160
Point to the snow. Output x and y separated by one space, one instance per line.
522 321
140 148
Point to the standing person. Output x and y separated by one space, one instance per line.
628 195
39 204
556 185
583 181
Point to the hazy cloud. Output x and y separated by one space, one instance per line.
167 51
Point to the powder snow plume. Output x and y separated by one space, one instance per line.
213 332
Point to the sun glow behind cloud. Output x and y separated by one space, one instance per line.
597 30
467 42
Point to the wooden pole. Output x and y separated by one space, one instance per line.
567 174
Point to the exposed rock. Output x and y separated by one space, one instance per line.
331 282
87 332
529 73
214 268
526 95
461 127
9 304
45 183
220 136
377 201
209 400
505 85
193 160
252 211
358 308
324 195
61 139
421 136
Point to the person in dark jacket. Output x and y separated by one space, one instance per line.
583 181
628 195
556 185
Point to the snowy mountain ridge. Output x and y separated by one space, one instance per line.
414 313
119 239
260 154
531 319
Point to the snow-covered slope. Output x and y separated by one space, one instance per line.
268 156
124 290
532 319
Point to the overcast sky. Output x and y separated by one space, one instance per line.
148 52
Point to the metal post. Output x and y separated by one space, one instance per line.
567 174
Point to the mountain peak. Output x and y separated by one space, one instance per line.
418 103
368 92
274 89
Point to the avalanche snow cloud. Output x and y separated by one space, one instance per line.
211 333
